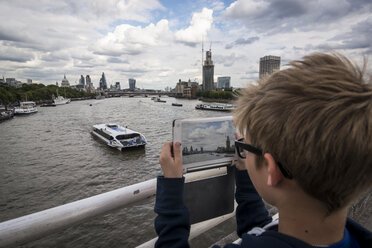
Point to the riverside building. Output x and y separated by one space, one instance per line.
223 82
268 65
132 84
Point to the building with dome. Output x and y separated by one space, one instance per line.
65 82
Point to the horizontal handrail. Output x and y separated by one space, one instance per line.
37 225
34 226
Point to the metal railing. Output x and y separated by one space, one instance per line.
37 225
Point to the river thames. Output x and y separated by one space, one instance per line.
50 158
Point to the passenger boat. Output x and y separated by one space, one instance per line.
159 100
216 107
6 114
61 100
119 137
25 108
48 105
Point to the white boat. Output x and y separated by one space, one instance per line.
216 107
61 100
157 99
25 108
119 137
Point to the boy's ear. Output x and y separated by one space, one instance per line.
274 176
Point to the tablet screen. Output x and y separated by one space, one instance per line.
205 141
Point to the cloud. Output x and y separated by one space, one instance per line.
287 15
359 37
135 69
93 10
15 54
242 41
227 60
117 60
199 26
223 128
9 35
55 56
218 6
200 133
132 40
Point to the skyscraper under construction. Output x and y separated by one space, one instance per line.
208 72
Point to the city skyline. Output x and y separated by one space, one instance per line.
158 42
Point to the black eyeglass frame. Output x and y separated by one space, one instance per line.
242 145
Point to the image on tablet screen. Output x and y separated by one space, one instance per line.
204 141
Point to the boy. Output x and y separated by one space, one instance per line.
307 149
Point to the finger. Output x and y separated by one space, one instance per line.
165 151
177 152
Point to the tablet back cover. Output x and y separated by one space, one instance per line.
211 197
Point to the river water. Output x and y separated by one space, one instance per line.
50 158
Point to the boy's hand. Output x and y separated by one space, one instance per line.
171 164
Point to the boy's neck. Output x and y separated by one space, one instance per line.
310 223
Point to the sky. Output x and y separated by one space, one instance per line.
158 42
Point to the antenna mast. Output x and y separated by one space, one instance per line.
202 52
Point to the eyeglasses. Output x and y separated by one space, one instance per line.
240 146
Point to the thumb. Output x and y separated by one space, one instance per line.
177 152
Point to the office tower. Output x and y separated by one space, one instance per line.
132 84
208 72
223 82
88 84
268 65
102 82
117 85
65 82
88 81
29 81
10 81
82 81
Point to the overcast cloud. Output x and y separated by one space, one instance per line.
158 42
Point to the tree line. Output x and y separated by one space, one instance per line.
37 93
213 94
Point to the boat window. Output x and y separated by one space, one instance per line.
112 125
102 133
128 136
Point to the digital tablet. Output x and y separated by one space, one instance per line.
205 142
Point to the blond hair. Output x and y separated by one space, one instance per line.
315 118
